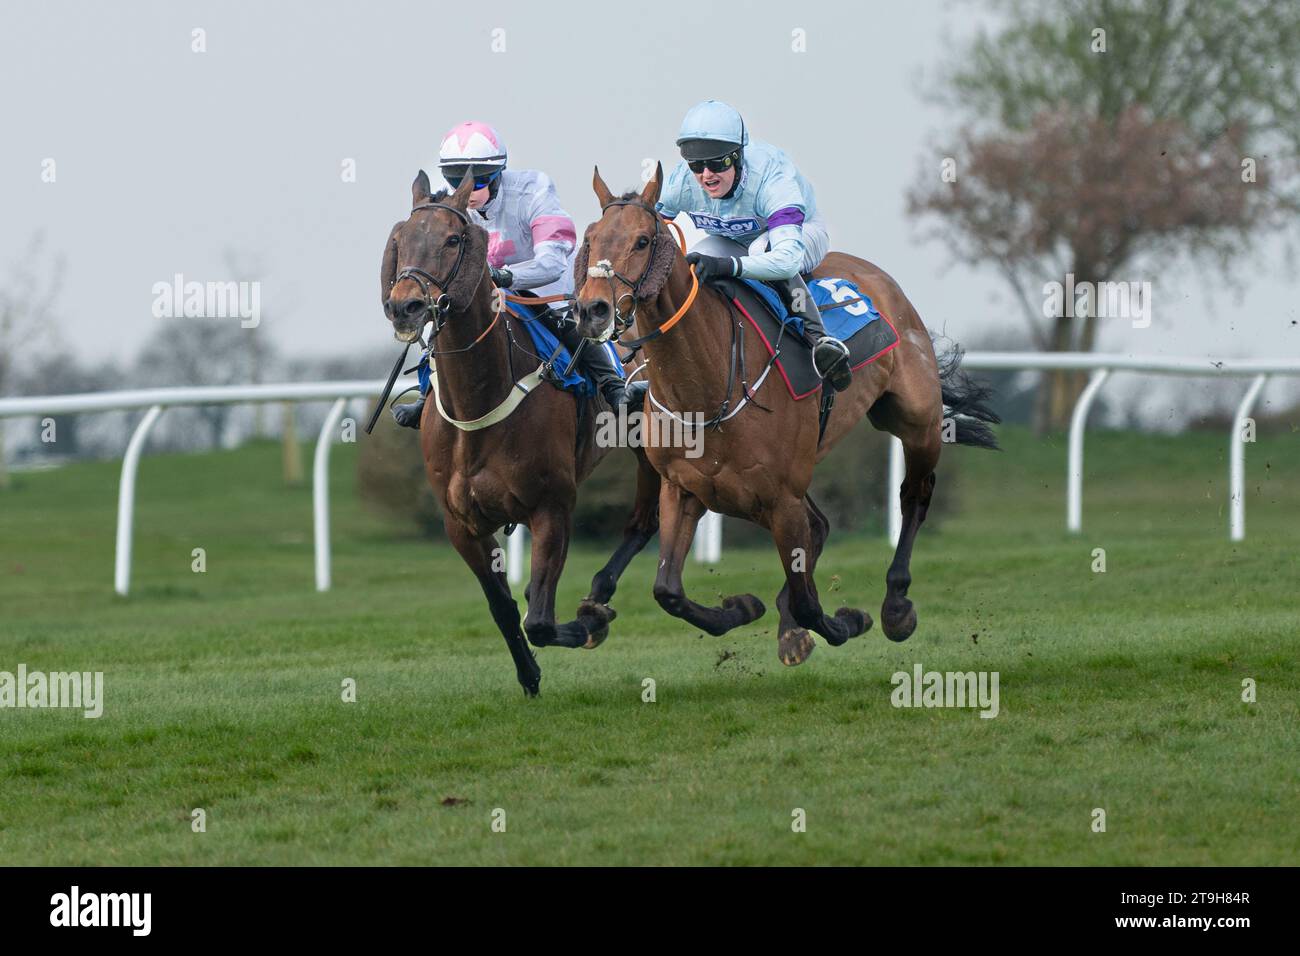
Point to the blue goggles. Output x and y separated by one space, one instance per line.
455 175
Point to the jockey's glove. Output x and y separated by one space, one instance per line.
714 267
501 278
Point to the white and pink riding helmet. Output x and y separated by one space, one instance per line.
472 148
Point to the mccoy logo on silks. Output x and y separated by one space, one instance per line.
725 227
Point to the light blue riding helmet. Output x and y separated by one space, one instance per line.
711 129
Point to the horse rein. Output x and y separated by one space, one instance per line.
604 269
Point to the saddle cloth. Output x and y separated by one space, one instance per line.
866 331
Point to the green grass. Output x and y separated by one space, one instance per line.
1119 690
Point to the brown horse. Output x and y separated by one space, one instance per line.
500 447
758 465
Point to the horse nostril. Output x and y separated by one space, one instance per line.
413 308
598 310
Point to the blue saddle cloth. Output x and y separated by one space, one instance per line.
841 322
546 344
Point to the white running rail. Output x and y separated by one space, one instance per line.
1101 366
158 399
708 546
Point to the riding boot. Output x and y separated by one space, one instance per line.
408 415
595 361
830 355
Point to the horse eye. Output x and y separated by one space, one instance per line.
643 242
453 240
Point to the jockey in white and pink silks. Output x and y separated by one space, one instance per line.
531 241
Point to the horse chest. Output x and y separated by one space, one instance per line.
468 492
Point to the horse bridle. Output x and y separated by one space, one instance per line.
440 307
623 321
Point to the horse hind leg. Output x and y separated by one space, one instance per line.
479 553
679 513
594 612
921 454
911 409
793 523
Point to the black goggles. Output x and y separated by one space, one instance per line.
719 165
455 175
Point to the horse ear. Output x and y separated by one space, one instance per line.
650 195
603 195
460 198
420 191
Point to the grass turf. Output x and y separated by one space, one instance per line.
1119 690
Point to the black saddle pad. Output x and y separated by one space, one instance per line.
795 360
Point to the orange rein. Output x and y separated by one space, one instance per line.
695 283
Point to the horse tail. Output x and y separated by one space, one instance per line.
967 402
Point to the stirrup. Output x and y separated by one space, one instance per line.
636 392
838 373
408 415
630 395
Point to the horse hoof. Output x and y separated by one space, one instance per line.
794 646
749 605
531 682
898 620
858 622
595 618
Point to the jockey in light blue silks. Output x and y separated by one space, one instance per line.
761 217
531 241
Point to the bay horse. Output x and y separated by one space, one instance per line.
500 448
629 273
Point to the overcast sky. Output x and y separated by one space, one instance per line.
167 160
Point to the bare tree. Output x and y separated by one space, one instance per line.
197 351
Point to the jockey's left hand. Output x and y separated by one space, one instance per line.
502 277
714 267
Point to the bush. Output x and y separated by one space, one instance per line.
391 480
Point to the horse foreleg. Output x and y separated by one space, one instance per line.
799 547
640 528
550 531
679 513
480 554
897 615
